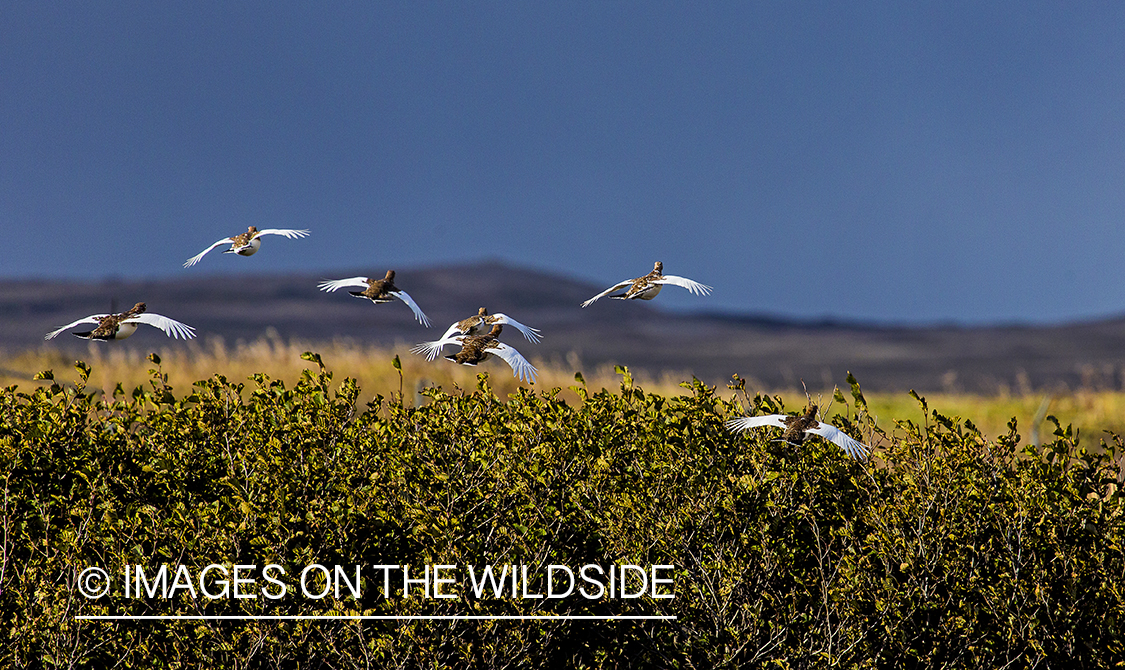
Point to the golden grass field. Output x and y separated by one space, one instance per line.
1093 412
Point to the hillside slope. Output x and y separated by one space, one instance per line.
772 351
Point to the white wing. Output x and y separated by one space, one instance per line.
693 286
171 328
455 329
198 257
611 289
523 370
403 296
431 350
840 438
335 284
90 319
747 422
291 234
532 334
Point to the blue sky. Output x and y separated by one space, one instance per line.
873 160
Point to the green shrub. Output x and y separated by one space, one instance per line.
944 550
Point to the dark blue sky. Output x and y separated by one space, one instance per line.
864 160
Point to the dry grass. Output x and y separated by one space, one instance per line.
1092 411
371 366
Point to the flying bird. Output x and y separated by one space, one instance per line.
474 325
120 326
377 291
478 348
798 427
248 243
648 286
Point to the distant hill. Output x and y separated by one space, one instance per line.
773 352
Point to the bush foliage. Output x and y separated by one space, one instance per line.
944 550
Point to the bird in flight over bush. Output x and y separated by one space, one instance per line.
377 291
797 428
648 286
248 243
474 325
120 326
478 348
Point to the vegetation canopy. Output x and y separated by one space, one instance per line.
946 549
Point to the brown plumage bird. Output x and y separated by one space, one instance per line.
648 286
474 325
377 291
479 348
120 326
248 243
797 429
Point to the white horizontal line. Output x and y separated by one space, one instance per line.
291 617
